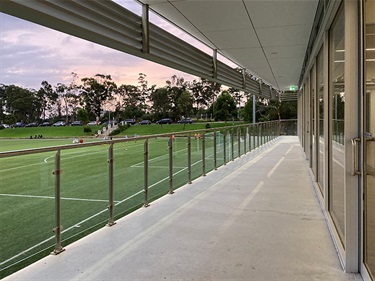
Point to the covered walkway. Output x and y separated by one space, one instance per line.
257 218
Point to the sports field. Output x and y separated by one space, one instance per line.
27 186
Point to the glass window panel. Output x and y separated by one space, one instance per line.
313 100
337 97
370 145
320 94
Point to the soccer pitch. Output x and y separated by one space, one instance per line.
27 187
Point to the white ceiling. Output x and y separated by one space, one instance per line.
268 38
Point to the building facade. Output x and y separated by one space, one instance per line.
336 127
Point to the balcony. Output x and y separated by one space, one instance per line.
255 218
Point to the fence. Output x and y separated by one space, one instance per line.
75 189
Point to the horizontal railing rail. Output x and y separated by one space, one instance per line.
75 189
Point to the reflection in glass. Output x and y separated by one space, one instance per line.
26 207
337 96
312 93
370 145
320 95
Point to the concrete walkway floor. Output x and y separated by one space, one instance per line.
257 218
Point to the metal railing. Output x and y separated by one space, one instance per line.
94 183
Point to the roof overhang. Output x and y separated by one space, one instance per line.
267 38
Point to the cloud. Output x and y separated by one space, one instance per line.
31 53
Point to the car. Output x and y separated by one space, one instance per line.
130 121
5 126
185 121
59 124
165 121
32 124
45 124
145 122
110 122
19 124
76 123
93 123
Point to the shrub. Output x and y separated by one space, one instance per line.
120 129
115 132
87 129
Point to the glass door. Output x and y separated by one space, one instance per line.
320 115
313 119
337 114
369 143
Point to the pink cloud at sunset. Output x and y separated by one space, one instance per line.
31 53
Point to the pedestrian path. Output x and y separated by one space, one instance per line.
256 218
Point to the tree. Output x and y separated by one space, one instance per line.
144 91
23 104
96 91
248 111
205 92
160 102
185 104
134 98
237 96
225 107
2 102
73 96
131 101
83 115
47 97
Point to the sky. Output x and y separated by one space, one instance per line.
30 54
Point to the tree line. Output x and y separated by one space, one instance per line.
100 97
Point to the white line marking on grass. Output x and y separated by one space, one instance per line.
140 164
161 167
87 219
19 167
52 197
45 160
52 237
166 178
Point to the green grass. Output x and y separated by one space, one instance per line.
77 131
20 144
27 186
154 129
47 132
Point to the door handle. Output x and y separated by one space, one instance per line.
355 170
369 137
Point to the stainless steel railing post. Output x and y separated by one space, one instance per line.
145 170
263 133
251 137
170 149
239 141
189 158
215 151
203 154
225 146
246 131
110 185
57 172
232 143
